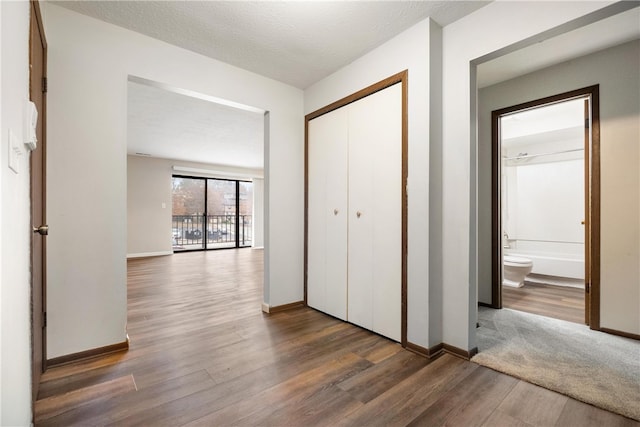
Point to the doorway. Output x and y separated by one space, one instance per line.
545 207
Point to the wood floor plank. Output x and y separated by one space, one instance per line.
230 366
384 375
67 380
470 403
499 419
527 401
408 399
579 414
559 302
247 408
58 404
379 350
113 409
203 353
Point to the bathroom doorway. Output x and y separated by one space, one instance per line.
545 173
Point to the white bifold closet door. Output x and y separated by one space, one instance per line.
327 213
354 241
375 212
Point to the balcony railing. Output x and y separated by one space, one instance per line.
210 231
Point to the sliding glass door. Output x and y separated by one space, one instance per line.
211 213
188 209
245 213
221 213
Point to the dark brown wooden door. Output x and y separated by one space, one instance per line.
37 94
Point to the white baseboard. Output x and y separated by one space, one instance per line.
257 247
265 307
148 254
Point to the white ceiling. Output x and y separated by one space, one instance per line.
161 123
562 121
558 116
298 43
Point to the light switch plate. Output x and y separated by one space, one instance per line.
14 152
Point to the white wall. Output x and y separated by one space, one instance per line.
410 50
544 210
490 29
89 63
148 187
258 213
15 321
616 70
2 160
543 196
148 206
548 202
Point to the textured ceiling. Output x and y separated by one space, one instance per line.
298 43
564 116
169 125
295 42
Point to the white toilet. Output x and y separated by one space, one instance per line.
515 270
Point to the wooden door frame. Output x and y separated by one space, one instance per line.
592 199
42 119
401 77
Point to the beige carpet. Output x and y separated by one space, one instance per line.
593 367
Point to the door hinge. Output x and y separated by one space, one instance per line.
45 85
44 319
587 287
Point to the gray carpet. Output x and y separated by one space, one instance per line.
593 367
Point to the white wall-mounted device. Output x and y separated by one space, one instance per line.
30 124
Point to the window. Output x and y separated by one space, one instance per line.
211 213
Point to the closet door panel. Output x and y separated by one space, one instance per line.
327 221
336 214
375 237
316 244
361 217
387 204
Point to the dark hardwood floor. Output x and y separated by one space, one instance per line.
203 354
559 302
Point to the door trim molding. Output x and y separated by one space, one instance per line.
401 77
36 18
593 192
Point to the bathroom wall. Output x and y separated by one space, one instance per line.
543 201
